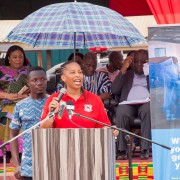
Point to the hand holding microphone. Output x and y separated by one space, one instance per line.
60 107
54 105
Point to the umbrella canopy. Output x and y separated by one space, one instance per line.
75 24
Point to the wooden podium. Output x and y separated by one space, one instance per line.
73 154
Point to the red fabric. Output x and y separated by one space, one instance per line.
130 7
97 113
165 11
98 49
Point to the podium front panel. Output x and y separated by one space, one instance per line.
73 154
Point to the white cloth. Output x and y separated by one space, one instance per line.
139 88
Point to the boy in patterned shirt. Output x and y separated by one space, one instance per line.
26 114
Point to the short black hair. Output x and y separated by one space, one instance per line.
12 49
90 55
76 54
130 52
142 51
114 54
35 68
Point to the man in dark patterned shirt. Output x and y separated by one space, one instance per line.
95 82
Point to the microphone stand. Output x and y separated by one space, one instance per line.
3 146
127 139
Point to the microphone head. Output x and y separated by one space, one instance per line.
61 110
63 90
69 105
70 108
62 103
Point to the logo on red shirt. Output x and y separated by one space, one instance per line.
88 107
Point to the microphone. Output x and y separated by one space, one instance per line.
70 108
61 110
61 94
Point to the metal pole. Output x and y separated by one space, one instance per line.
128 139
121 130
74 46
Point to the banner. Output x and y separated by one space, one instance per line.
164 69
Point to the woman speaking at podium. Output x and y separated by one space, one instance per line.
85 103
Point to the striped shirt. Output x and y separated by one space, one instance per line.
98 83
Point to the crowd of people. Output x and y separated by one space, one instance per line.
86 86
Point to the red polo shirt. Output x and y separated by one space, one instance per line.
88 104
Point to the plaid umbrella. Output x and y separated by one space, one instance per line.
75 24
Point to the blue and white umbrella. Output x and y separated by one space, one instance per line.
75 25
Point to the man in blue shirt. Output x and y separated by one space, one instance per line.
26 114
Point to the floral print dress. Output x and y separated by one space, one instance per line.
11 81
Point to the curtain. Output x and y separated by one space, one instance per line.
130 7
165 11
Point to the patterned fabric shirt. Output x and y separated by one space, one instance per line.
26 114
11 81
98 83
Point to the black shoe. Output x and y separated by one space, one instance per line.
122 155
144 154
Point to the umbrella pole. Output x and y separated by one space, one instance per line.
74 46
40 63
